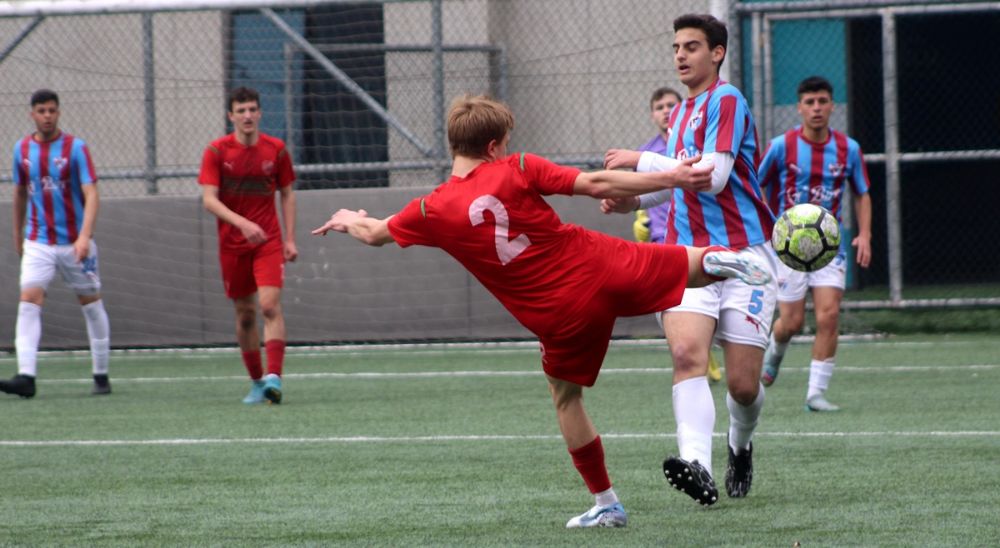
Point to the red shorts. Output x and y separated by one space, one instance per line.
643 279
243 273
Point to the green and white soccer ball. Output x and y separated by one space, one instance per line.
806 237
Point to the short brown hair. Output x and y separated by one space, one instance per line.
715 30
242 95
661 92
474 121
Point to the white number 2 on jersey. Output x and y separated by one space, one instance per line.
507 250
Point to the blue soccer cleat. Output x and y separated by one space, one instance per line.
600 516
256 394
272 388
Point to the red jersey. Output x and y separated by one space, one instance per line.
495 222
247 177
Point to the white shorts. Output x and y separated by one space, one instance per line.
743 312
40 262
793 285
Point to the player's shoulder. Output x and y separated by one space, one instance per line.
223 142
20 143
271 141
852 144
656 144
725 89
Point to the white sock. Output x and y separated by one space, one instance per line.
606 497
820 372
99 333
694 411
778 348
743 420
28 334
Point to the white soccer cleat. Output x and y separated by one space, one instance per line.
730 264
612 515
820 403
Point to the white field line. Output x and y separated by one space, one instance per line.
472 438
435 348
511 373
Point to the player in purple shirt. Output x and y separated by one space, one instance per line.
651 224
715 124
55 208
815 164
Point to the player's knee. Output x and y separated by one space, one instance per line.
688 357
744 391
246 319
564 393
270 310
827 318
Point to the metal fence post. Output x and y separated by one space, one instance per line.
437 37
890 110
149 99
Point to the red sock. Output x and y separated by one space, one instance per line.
251 360
709 249
275 356
589 461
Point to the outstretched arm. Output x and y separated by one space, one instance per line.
611 183
365 229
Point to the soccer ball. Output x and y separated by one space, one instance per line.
806 237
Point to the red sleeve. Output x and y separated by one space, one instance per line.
410 225
209 174
286 174
548 177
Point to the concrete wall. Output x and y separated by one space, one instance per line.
159 267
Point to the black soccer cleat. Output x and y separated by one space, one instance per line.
692 478
102 385
21 385
739 473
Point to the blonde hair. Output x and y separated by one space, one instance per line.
474 121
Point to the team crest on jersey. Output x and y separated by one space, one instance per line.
836 170
60 162
694 122
267 166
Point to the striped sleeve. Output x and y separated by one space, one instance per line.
858 173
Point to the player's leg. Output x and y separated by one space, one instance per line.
690 336
269 273
827 306
585 448
84 278
744 323
744 400
38 267
274 340
792 288
237 277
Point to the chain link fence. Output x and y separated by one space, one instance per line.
902 75
359 89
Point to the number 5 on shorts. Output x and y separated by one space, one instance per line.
756 301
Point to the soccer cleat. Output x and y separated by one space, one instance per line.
714 371
692 478
739 473
820 403
102 385
21 385
772 362
730 264
272 388
256 394
600 516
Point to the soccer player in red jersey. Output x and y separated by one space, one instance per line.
566 284
239 176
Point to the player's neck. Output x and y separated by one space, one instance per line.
701 87
47 137
818 136
247 139
463 165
